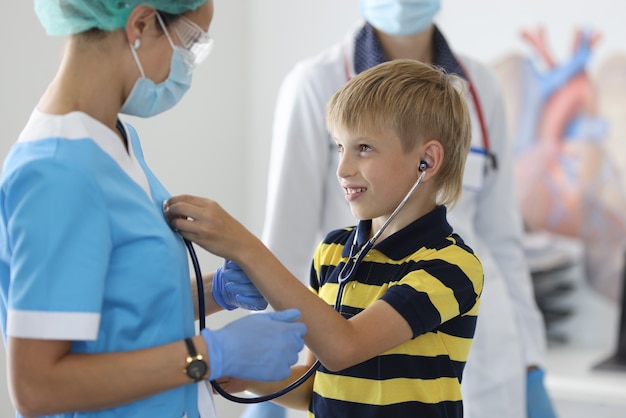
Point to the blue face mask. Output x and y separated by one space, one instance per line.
148 98
400 17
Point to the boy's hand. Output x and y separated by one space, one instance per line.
204 222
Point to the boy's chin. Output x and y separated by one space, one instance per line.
359 215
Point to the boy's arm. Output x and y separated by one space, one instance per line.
337 342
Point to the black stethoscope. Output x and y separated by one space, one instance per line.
346 274
202 323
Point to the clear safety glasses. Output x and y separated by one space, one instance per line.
192 38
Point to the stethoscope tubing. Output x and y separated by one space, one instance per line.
202 324
265 398
199 283
352 264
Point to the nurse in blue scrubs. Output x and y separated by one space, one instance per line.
95 296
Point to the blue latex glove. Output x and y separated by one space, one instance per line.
537 400
264 410
260 347
233 289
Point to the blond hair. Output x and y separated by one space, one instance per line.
419 102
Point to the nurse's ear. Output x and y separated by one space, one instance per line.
140 20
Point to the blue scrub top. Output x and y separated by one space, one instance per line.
85 252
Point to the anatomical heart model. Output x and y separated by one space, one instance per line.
568 128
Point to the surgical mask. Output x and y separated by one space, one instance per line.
147 98
399 17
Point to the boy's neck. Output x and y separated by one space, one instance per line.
406 216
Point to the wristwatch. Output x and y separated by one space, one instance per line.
197 367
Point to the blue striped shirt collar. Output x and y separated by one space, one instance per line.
428 230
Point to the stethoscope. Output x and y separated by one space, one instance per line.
493 161
346 274
202 324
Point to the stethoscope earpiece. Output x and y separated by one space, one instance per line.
423 166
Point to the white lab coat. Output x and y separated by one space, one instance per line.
304 202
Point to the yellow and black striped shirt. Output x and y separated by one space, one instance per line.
434 281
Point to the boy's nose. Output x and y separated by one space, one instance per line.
345 167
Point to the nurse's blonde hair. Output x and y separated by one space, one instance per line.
419 102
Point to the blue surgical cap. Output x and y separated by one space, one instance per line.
67 17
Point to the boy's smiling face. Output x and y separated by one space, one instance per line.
375 172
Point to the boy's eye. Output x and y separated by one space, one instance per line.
365 148
339 148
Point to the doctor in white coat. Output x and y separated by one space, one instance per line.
504 374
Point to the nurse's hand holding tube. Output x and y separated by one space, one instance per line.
260 347
233 289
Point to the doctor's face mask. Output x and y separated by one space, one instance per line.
399 17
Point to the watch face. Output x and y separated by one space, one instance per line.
197 369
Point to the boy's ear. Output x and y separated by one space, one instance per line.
432 154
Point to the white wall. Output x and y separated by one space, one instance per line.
26 67
487 28
215 143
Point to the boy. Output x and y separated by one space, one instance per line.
406 313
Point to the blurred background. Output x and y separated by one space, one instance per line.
570 165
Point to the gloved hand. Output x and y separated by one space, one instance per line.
260 347
264 410
538 403
233 289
